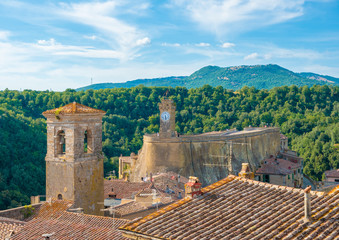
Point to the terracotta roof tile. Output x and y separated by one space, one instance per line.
9 227
277 166
124 189
237 208
332 173
53 218
73 108
282 136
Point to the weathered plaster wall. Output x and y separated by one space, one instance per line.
89 185
206 157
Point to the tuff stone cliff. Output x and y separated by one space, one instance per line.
210 156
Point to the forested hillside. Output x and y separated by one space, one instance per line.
309 116
258 76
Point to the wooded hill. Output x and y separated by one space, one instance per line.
258 76
309 116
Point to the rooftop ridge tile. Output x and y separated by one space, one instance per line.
73 108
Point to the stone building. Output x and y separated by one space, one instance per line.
332 175
208 156
281 172
74 160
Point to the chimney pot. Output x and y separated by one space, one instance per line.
246 172
307 204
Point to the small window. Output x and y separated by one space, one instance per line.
85 142
266 178
61 143
59 197
88 141
289 177
336 180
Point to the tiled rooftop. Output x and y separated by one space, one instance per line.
53 218
282 136
72 108
332 173
277 167
124 189
238 208
9 226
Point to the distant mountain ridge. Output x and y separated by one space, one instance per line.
258 76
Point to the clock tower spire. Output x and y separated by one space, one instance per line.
167 117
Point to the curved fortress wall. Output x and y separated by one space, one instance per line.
211 156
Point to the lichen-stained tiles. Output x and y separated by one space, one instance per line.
53 218
238 208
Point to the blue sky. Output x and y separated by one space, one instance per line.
63 44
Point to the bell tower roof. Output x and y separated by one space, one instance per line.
73 108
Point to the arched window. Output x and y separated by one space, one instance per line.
59 197
61 143
88 148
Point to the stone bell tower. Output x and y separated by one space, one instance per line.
167 118
74 160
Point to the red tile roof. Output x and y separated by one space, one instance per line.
238 208
124 189
282 136
53 218
277 167
9 227
73 108
332 173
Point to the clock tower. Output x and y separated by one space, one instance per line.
167 118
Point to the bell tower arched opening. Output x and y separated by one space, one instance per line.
61 143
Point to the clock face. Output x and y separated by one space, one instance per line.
165 116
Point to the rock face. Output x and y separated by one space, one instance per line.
210 157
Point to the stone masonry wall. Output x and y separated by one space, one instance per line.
206 157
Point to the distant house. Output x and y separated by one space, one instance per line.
281 172
283 142
332 175
137 199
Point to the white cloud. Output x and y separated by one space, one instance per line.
227 45
122 37
143 41
4 35
203 44
171 44
251 56
50 42
92 37
225 16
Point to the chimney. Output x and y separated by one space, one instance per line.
307 204
193 187
246 172
76 210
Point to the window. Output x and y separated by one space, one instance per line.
266 178
88 141
59 197
289 177
61 142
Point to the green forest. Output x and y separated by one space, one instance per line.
308 116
